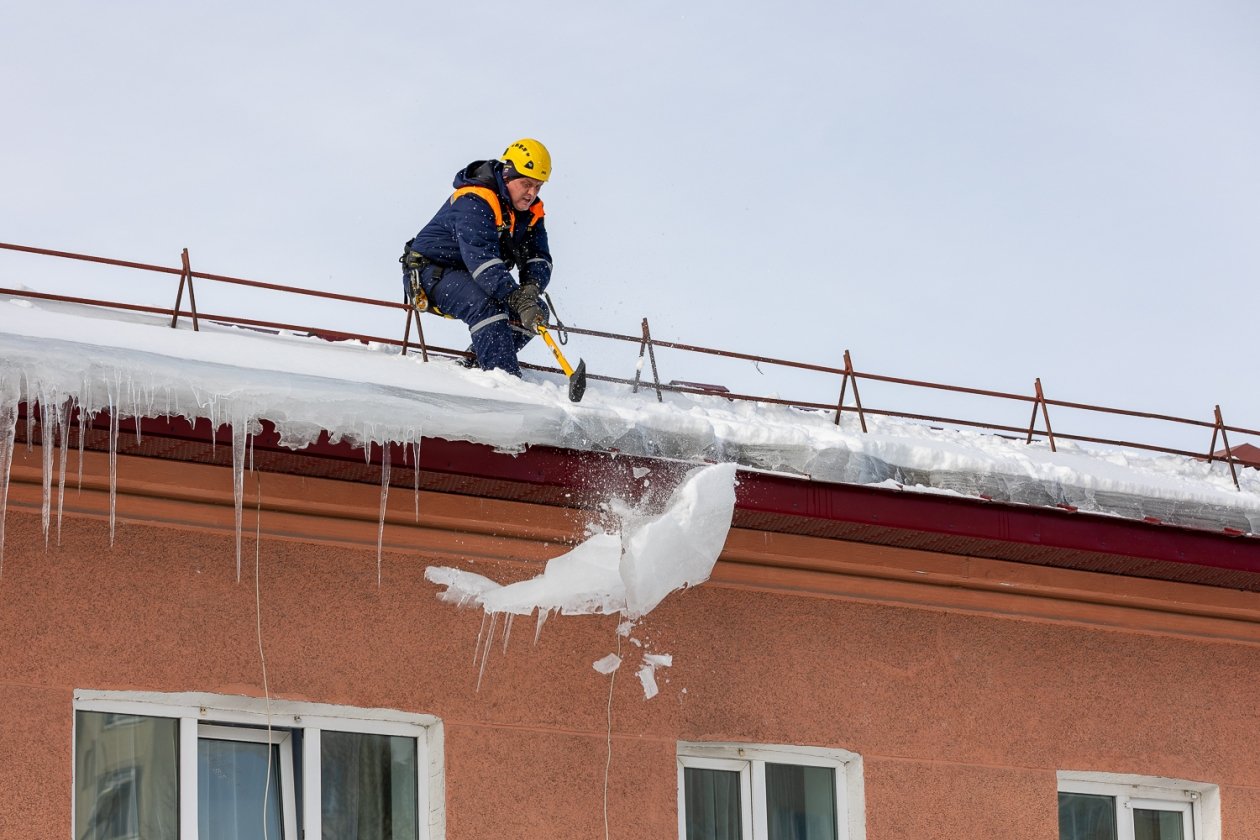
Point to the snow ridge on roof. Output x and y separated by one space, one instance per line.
136 366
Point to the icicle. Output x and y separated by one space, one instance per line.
380 526
47 440
63 423
542 616
415 463
8 437
240 434
485 616
113 466
135 406
485 655
507 631
84 419
30 414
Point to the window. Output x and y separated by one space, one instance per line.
213 767
1108 806
115 817
755 792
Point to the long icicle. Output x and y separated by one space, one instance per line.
485 617
30 414
63 423
135 406
84 420
240 432
113 466
8 438
47 444
415 463
380 525
485 654
542 617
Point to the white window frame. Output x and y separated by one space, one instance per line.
195 710
1199 802
750 760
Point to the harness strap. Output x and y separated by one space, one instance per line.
415 263
490 197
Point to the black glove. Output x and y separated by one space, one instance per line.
524 302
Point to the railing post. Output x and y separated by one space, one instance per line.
1219 426
185 276
638 370
844 386
412 312
1045 414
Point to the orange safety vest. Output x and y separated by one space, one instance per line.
490 197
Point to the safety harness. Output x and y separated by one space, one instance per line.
415 263
490 197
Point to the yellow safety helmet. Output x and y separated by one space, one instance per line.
529 157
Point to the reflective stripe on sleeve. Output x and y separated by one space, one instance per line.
485 265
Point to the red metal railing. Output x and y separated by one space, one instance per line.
849 376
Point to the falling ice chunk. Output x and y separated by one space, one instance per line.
647 672
608 664
648 678
679 548
462 588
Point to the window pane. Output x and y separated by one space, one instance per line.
126 780
234 788
1157 825
1085 816
712 804
369 786
801 802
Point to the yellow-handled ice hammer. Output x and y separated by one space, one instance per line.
577 376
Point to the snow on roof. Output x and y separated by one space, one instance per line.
135 365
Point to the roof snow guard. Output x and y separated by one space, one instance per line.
313 407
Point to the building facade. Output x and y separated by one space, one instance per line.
863 663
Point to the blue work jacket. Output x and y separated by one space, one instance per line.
467 233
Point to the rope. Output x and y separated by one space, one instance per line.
562 332
608 762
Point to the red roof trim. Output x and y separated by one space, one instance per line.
1046 536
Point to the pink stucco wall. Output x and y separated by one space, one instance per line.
962 713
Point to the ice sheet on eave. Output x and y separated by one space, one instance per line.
136 364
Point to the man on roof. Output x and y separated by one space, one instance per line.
460 264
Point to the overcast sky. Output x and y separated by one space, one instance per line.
977 193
